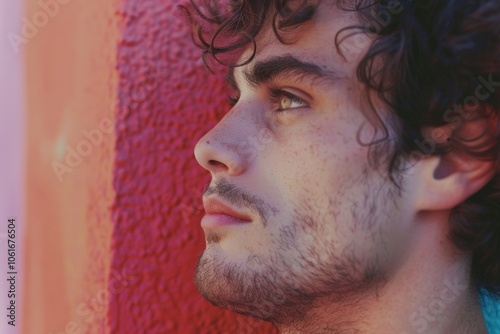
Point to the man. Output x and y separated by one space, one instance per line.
355 181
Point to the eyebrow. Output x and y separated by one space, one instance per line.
269 69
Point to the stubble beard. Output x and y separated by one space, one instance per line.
282 292
283 289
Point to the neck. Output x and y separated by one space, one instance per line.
430 293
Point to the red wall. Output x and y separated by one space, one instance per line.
111 242
167 102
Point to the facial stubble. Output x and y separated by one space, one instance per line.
281 291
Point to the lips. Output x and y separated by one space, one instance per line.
221 214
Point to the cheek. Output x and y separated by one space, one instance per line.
323 158
320 174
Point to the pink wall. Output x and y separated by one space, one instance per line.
71 82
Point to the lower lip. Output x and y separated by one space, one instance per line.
216 220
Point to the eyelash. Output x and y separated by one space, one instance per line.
275 94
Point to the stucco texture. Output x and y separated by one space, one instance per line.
168 100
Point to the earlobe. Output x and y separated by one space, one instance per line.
445 181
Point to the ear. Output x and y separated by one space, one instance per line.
447 180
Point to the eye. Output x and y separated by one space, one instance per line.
290 102
285 100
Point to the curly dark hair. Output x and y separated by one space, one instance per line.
440 66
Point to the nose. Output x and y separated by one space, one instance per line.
220 150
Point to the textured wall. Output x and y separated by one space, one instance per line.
123 226
116 100
168 101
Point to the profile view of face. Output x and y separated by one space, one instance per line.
320 220
299 221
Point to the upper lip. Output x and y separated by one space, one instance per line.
215 206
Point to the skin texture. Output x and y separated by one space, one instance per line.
333 246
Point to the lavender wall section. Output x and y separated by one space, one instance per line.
11 153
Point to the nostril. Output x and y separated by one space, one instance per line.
215 163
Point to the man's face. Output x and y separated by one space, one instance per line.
289 155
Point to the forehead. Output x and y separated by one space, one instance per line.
313 42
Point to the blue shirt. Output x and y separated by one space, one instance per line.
491 313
